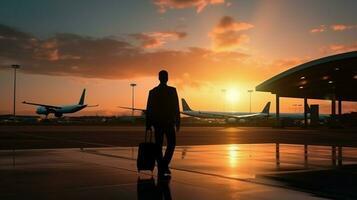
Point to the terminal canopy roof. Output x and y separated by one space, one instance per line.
324 78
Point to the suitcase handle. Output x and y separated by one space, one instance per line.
146 132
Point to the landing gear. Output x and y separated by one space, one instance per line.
59 115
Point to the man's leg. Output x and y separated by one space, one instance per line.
159 138
171 144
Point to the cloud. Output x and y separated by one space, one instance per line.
284 64
107 58
226 35
334 27
338 48
320 29
342 27
199 5
157 39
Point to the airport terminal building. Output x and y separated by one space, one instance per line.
331 78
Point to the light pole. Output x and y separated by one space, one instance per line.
132 98
250 100
15 67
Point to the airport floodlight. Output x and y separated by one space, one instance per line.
250 100
132 98
15 67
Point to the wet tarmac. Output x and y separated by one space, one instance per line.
50 136
200 171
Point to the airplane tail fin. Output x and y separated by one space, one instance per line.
81 100
266 108
185 106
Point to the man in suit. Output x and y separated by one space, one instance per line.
163 113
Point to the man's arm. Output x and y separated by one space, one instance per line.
177 111
149 112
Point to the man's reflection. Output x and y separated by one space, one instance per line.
147 189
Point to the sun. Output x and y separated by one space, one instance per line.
232 95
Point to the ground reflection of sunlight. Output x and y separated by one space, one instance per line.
233 151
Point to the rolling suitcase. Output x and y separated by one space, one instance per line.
146 154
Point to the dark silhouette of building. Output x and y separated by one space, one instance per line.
163 113
329 78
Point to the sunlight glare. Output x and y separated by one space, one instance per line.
232 95
233 155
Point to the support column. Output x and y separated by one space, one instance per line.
339 157
333 155
277 107
339 108
305 112
306 153
333 108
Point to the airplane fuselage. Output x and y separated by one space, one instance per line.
221 115
226 115
41 110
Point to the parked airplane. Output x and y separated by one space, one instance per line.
58 111
228 116
233 116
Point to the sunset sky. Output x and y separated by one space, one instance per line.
206 45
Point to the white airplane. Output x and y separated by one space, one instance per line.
228 116
58 111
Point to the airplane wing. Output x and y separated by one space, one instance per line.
132 108
232 115
218 115
43 105
246 116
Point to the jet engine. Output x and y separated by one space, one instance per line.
231 120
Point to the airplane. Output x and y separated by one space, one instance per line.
230 117
234 116
58 111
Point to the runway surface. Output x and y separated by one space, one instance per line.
37 137
66 162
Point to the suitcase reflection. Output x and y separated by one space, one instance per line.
148 189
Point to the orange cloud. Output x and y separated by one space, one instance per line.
338 48
164 5
108 58
226 35
320 29
334 27
281 65
157 39
341 27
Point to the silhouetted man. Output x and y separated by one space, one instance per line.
163 113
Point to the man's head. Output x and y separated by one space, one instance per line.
163 76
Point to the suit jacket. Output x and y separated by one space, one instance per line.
162 107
